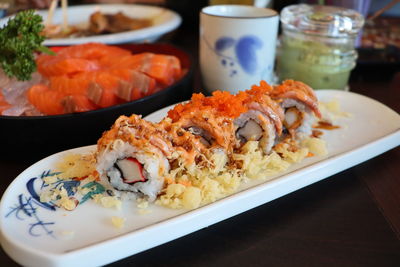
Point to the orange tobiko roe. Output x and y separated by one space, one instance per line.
180 109
290 85
227 104
222 102
258 92
285 86
263 89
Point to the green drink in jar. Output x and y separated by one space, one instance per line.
317 45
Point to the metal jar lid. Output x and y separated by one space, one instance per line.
329 21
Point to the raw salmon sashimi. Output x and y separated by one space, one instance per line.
93 51
133 84
51 102
46 100
103 89
165 69
72 84
78 58
90 76
77 103
53 65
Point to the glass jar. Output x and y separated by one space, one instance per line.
317 45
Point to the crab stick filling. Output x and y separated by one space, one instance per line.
131 170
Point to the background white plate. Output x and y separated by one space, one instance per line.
165 21
33 235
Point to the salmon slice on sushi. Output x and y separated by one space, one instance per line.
132 157
299 103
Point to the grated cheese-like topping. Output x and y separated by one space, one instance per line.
331 111
111 202
76 165
192 186
67 234
118 222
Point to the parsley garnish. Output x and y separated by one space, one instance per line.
19 40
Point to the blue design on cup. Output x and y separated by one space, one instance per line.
224 43
245 51
266 72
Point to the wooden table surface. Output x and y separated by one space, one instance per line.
349 219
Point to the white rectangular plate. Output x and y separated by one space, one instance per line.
35 235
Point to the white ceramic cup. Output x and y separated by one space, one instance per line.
237 46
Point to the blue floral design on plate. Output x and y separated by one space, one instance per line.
27 206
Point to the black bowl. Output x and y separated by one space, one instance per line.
38 136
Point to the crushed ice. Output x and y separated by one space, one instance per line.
14 93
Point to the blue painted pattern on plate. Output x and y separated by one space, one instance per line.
28 205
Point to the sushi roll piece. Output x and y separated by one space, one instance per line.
133 157
187 145
261 122
300 106
209 124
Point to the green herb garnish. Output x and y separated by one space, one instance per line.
19 40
